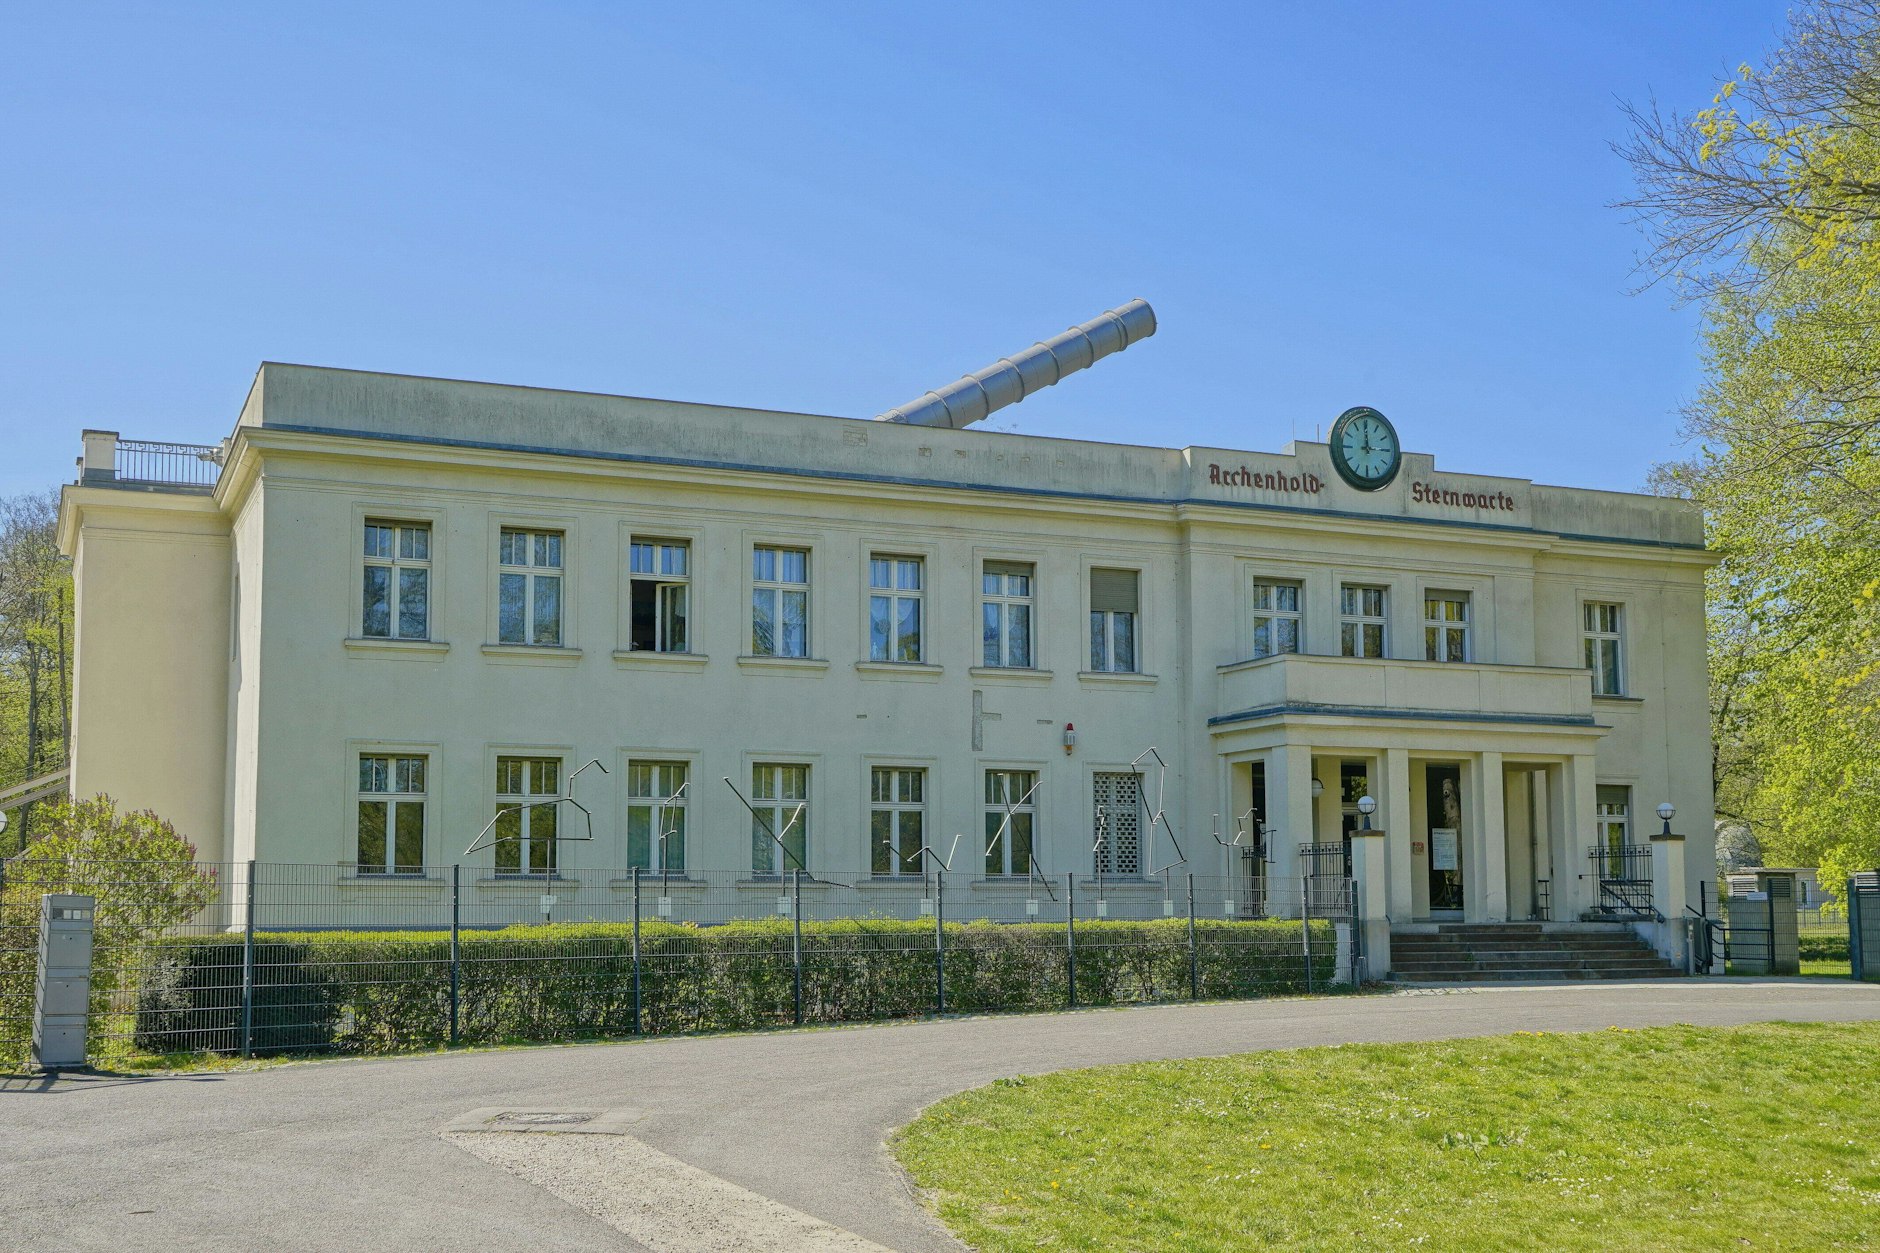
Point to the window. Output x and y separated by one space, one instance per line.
894 608
1612 815
397 581
1005 614
391 814
656 815
1603 635
659 595
1113 620
1009 843
525 826
780 795
1446 626
1276 618
779 602
528 587
896 810
1118 822
1362 614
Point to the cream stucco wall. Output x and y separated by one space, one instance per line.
263 736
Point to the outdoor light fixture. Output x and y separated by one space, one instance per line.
1070 737
1367 805
1318 789
1667 811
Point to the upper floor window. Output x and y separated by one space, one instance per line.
528 587
1011 812
780 818
894 608
1277 619
659 575
526 824
656 813
1005 614
779 601
1604 641
1117 797
1113 618
397 581
1446 626
391 814
1362 617
896 819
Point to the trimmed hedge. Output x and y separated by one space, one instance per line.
1823 947
377 991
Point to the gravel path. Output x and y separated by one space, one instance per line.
349 1155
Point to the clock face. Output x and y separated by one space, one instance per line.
1364 448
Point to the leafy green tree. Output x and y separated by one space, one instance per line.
1765 208
36 635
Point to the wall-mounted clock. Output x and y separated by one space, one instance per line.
1365 451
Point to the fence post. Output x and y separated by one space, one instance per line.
248 965
940 942
636 950
456 949
1856 963
1305 923
1070 935
1194 960
796 939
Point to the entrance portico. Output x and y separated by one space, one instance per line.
1485 788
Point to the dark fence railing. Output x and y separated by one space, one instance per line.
1623 874
261 958
171 465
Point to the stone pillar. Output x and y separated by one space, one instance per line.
1668 895
1289 822
1394 815
1489 841
1369 875
1778 887
99 464
1571 791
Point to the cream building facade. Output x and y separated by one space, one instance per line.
394 605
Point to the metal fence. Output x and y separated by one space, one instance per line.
257 958
1623 877
171 465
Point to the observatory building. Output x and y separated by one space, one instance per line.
387 606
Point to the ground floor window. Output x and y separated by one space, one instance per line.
779 819
526 827
896 819
1011 812
391 814
656 812
1118 822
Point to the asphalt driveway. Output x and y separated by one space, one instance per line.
347 1155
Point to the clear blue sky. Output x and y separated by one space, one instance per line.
833 207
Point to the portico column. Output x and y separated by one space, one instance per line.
1289 820
1490 840
1395 819
1573 893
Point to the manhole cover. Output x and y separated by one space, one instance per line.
542 1119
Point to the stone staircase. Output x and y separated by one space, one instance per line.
1518 951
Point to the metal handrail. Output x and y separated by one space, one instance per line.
170 464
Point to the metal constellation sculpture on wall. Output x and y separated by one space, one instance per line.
587 816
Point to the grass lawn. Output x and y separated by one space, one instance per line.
1764 1137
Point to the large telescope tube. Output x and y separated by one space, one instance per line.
979 394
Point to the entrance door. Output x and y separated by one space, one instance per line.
1442 791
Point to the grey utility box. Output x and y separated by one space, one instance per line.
62 993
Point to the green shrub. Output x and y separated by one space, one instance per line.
371 992
1819 947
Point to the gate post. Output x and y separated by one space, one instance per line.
940 942
62 992
636 950
1070 936
248 965
1668 895
456 949
1194 959
796 940
1370 915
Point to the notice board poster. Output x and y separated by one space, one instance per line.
1443 849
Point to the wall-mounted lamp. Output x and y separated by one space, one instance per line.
1367 806
1666 812
1070 737
1318 789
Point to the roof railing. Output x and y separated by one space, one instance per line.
110 459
